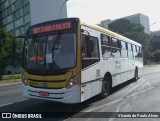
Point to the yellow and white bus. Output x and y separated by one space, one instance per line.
69 61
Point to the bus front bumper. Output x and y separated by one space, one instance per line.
64 95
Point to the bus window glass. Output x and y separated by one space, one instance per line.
106 51
49 52
129 47
116 52
139 52
35 52
90 50
114 42
105 40
123 45
134 50
124 53
130 54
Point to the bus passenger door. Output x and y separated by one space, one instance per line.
90 66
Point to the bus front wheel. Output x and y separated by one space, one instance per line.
106 87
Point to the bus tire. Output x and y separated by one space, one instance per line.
136 74
106 87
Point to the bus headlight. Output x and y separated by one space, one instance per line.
24 81
72 81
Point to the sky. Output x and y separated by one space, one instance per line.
94 11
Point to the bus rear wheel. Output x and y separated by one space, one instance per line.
106 87
136 74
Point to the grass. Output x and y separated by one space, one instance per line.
6 79
11 77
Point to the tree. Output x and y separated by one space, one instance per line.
135 32
10 50
120 26
130 30
155 42
156 55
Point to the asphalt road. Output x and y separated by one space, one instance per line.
140 96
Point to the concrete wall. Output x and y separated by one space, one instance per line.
45 10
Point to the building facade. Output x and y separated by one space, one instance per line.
141 19
156 33
17 15
136 18
105 23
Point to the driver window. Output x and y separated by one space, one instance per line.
90 50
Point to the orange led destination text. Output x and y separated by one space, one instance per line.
54 27
36 58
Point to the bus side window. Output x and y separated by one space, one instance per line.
134 51
90 50
106 49
83 46
116 50
139 52
123 49
130 53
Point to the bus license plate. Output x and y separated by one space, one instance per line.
43 93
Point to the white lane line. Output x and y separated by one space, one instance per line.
129 86
124 90
102 106
10 92
134 88
120 99
9 84
5 104
141 92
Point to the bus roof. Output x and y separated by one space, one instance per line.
110 33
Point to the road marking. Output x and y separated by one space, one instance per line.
102 106
10 84
118 100
10 91
140 92
5 104
132 89
129 88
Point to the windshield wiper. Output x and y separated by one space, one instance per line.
57 41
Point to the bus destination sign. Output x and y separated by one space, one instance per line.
52 27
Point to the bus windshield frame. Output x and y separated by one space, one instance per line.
51 52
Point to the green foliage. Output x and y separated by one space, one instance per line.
139 37
15 56
5 44
147 55
130 30
11 77
155 43
123 26
156 55
136 32
120 26
10 50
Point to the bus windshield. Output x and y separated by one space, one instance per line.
51 52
